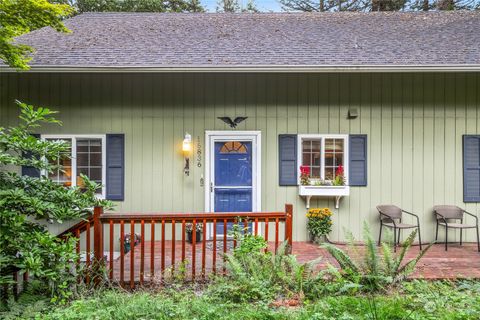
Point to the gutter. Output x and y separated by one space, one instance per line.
248 69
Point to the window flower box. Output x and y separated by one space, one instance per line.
310 191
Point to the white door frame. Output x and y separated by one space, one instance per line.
213 136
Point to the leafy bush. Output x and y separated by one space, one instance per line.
25 244
375 270
256 275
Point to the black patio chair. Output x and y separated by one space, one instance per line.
444 215
391 217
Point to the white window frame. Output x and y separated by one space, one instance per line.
74 138
322 138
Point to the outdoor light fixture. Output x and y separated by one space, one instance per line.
187 148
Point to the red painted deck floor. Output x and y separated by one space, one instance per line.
457 262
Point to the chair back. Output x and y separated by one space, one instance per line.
389 212
448 212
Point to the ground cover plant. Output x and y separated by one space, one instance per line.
412 300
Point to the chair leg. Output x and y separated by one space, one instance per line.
446 238
436 233
419 238
461 236
478 240
394 239
380 234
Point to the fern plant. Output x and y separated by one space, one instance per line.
376 269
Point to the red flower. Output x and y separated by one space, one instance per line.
339 171
305 170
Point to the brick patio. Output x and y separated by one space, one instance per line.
457 262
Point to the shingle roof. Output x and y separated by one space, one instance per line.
266 39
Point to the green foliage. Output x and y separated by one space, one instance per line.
416 300
378 5
256 275
233 6
26 203
139 6
375 270
319 221
22 16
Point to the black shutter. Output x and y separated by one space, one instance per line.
27 170
115 183
471 168
357 175
287 146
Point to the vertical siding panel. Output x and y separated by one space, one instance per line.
375 146
407 141
261 125
396 143
145 89
418 138
354 201
386 138
198 101
366 212
296 122
345 91
189 126
270 147
439 141
177 133
313 103
428 134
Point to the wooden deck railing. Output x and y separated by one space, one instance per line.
149 260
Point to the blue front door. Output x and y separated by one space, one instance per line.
232 185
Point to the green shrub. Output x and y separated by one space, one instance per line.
375 270
25 244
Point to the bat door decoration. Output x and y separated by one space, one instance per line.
232 123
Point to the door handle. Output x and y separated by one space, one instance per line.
211 186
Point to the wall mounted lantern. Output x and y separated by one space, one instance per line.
187 148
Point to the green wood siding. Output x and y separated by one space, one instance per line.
414 124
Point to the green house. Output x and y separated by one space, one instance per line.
222 112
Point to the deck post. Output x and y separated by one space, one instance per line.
288 226
97 242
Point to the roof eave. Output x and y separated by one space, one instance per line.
251 68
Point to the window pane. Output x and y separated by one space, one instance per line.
338 159
329 145
82 159
329 159
306 159
89 160
338 145
96 159
311 156
329 173
62 174
315 172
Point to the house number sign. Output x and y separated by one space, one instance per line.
199 153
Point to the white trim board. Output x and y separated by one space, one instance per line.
255 137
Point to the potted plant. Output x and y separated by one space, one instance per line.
198 232
319 223
127 241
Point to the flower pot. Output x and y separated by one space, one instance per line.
318 239
198 237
